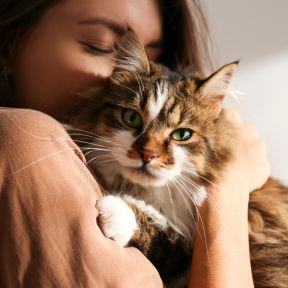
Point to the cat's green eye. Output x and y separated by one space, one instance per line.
182 134
132 118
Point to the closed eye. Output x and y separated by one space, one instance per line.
95 49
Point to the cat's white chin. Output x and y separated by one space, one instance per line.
143 179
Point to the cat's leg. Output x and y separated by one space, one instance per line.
132 222
116 219
123 219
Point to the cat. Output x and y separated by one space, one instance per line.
156 139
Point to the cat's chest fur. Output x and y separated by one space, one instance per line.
177 201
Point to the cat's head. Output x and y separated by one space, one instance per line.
154 126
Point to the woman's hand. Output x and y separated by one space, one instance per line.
249 164
247 170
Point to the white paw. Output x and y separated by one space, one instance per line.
116 219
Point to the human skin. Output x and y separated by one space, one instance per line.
68 52
62 56
223 250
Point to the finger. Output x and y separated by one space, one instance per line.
233 115
251 131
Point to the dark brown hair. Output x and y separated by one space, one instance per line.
17 18
186 37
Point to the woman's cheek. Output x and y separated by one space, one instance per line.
68 81
52 85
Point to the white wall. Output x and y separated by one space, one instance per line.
256 31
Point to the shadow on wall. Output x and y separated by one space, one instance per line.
249 29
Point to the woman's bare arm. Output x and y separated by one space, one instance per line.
221 254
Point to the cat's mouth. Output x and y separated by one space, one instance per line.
144 176
145 170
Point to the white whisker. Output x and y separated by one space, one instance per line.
209 197
91 135
199 216
128 88
184 198
171 201
40 159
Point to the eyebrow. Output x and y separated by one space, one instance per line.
112 25
116 28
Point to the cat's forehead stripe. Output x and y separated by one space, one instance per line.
158 100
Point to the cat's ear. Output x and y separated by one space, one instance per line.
130 56
214 89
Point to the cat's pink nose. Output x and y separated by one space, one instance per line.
148 155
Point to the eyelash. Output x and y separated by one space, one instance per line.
95 49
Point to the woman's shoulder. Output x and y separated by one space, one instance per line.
28 120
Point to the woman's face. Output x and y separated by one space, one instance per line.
72 49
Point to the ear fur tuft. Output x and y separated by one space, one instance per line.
215 88
131 56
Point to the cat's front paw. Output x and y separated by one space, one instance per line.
116 219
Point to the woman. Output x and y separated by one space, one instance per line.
51 50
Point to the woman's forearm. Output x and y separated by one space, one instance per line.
221 257
221 254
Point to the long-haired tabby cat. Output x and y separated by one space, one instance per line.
156 139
